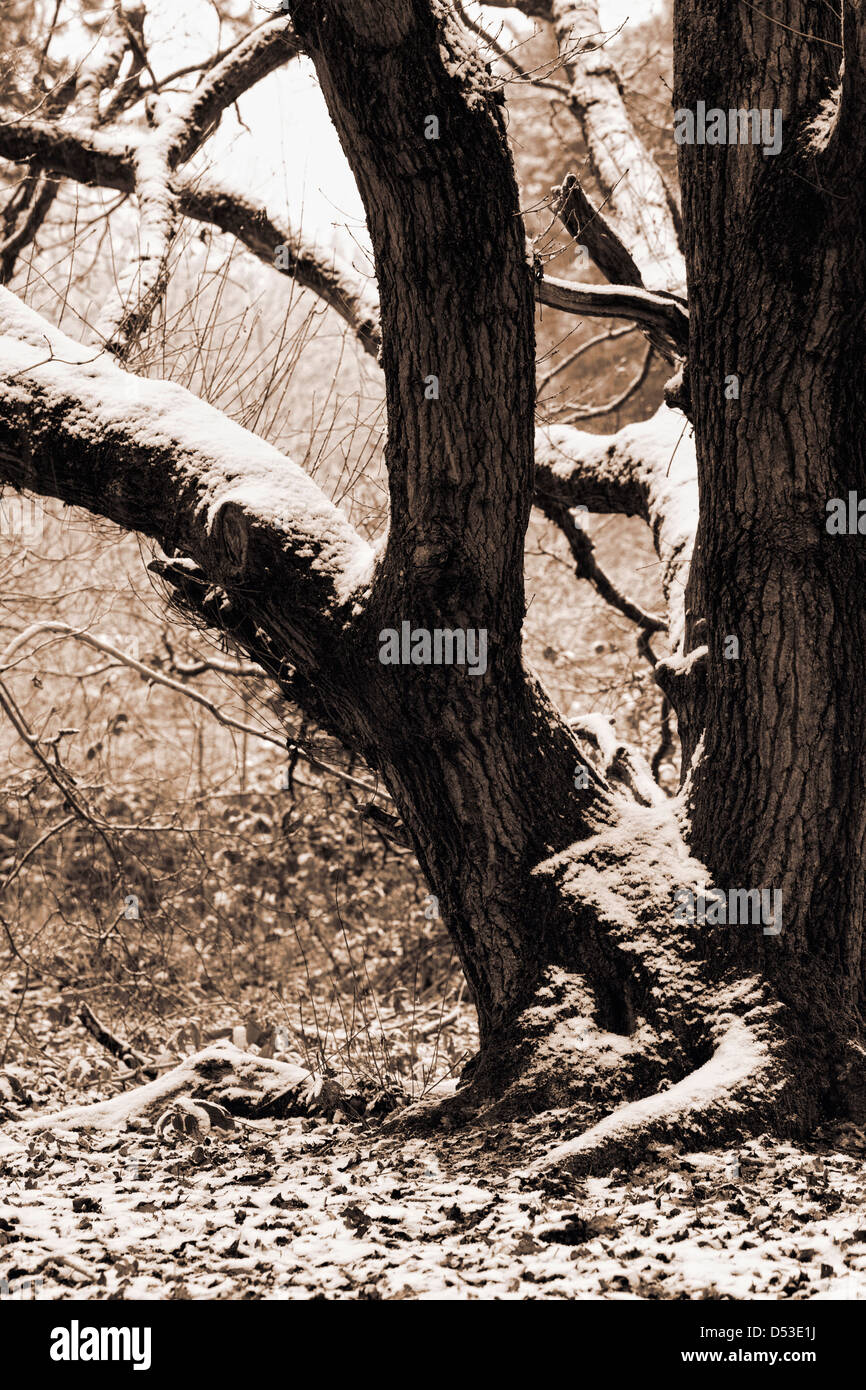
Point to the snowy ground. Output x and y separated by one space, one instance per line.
303 1209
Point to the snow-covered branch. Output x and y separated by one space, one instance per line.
645 470
178 134
665 316
107 160
636 200
255 57
156 460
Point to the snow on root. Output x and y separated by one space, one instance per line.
737 1060
242 1083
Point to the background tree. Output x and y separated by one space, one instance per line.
559 890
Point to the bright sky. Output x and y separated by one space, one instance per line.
613 12
289 154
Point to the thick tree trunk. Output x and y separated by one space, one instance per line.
480 764
777 286
560 896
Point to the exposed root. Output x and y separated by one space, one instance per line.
737 1092
242 1083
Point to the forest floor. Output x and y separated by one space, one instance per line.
346 1209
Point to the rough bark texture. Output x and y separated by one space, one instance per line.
777 275
481 767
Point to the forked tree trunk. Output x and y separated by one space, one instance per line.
559 890
560 897
561 900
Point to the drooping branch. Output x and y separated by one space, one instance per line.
586 566
154 459
61 631
288 249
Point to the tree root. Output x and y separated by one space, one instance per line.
244 1084
737 1092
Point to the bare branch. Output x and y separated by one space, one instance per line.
592 412
507 58
150 674
586 566
587 225
610 336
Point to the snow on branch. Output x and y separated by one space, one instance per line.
270 237
847 108
142 284
153 458
645 470
255 57
664 315
636 199
107 160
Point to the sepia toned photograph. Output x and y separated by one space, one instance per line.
432 669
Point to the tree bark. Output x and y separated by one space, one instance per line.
777 275
558 894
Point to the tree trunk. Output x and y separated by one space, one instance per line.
559 896
777 286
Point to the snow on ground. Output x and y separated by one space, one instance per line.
301 1209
